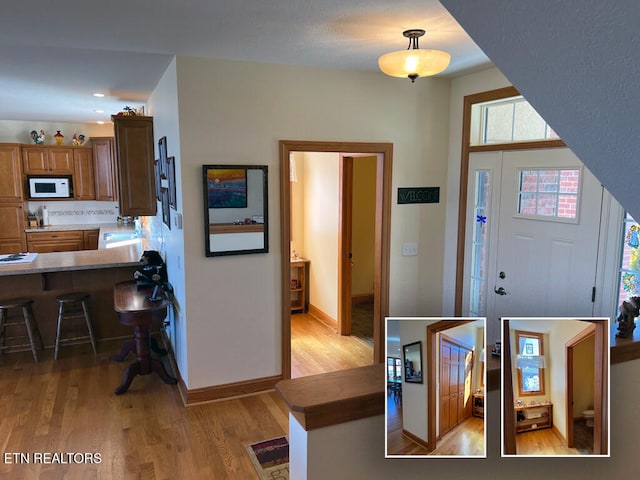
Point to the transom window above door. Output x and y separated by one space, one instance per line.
508 120
549 193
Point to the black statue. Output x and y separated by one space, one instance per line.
629 310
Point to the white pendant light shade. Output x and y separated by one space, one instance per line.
413 62
418 63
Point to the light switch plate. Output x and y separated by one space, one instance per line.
409 249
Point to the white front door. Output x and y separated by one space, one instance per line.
532 236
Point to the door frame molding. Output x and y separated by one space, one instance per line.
384 153
345 237
467 149
569 349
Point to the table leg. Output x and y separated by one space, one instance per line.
132 371
158 367
155 347
127 347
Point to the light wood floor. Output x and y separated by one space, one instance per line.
69 406
315 348
467 439
546 441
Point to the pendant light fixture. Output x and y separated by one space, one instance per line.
413 62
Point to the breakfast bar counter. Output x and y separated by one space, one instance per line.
91 271
81 260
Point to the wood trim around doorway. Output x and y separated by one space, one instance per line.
467 149
384 151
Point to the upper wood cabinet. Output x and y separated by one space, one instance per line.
10 173
83 176
104 168
47 160
134 159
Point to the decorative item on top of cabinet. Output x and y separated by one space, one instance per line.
58 137
38 138
134 159
104 168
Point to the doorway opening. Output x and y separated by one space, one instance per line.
383 167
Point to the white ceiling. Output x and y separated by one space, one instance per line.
54 55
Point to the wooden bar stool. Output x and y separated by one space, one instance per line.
27 319
74 305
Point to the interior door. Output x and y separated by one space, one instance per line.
540 228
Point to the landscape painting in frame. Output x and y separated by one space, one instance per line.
227 187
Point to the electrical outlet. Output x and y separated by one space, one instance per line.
409 249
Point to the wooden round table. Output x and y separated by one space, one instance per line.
136 310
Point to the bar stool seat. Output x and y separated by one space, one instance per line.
27 319
73 306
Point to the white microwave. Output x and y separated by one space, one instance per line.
50 187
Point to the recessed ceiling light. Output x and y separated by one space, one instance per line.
100 95
100 122
99 111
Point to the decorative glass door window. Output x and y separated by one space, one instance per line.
549 193
629 283
479 248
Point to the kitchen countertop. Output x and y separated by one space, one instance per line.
121 256
124 256
104 227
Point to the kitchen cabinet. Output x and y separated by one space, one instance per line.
10 173
12 217
62 241
83 176
91 238
134 147
12 232
104 169
47 160
45 242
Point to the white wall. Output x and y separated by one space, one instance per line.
321 218
236 112
164 107
414 395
